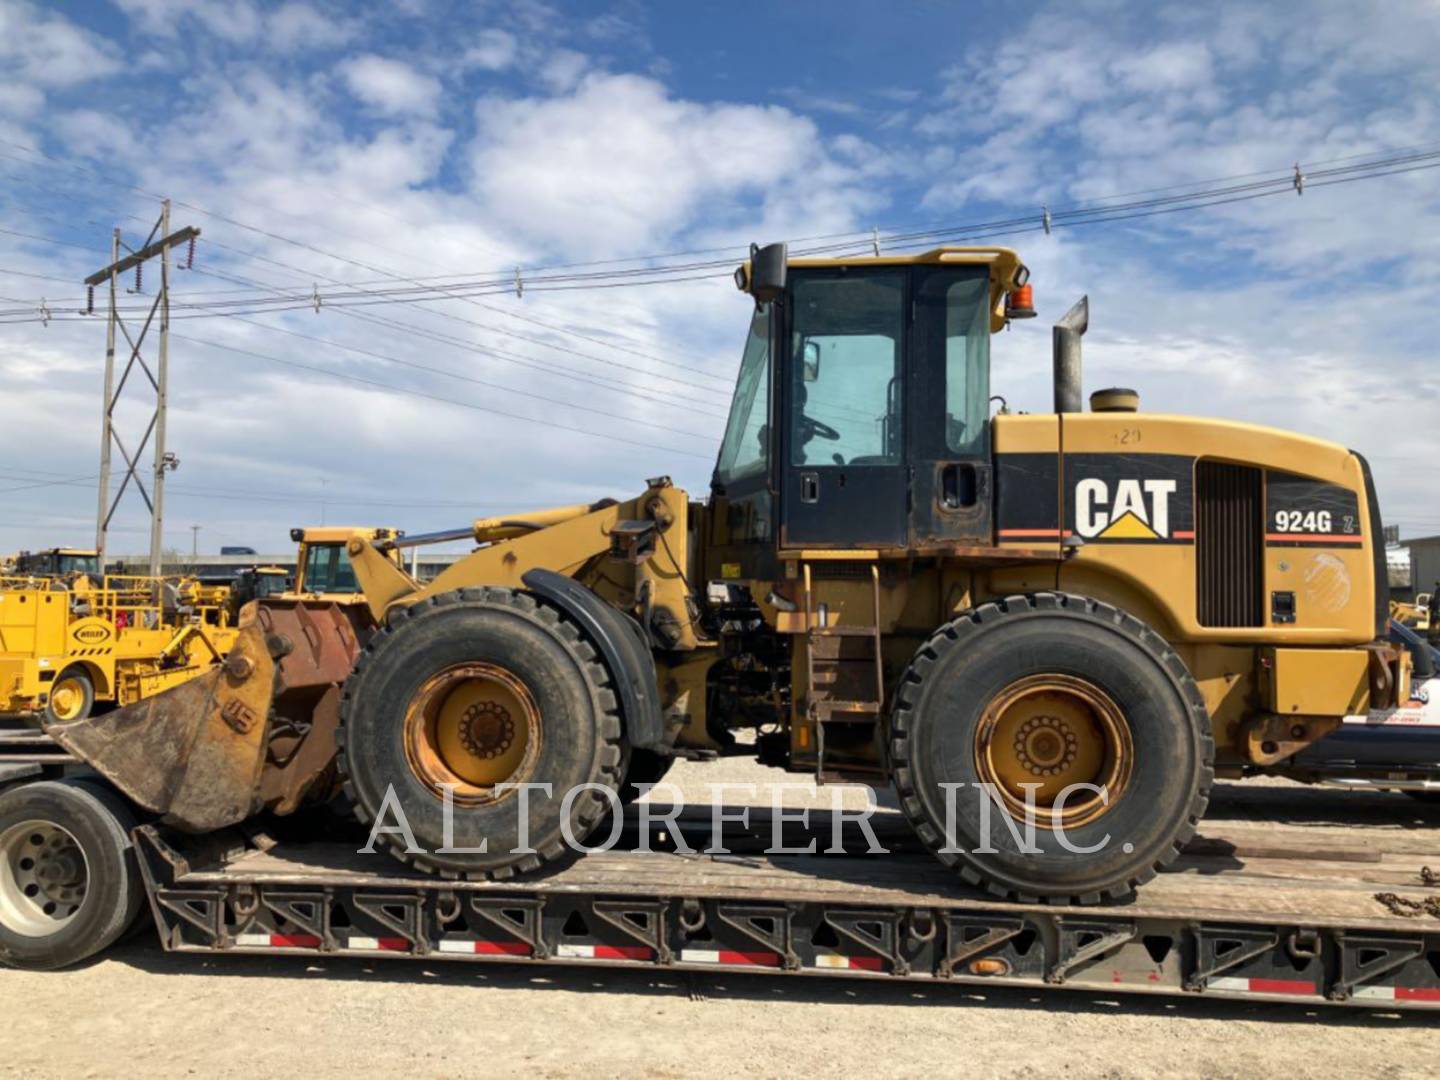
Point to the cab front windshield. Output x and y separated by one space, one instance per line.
745 451
327 569
79 564
270 584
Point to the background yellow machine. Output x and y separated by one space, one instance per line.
1068 621
322 564
64 648
57 563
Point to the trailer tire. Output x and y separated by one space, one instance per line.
83 834
78 696
475 688
1058 690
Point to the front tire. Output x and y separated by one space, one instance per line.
1054 691
474 689
69 881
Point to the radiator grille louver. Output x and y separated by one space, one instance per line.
1229 545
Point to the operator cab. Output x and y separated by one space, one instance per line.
59 563
322 564
861 412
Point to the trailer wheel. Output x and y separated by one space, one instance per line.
72 696
69 881
1054 692
469 691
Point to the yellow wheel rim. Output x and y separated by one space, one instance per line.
1055 731
471 727
67 699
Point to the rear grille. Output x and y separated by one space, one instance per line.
1229 545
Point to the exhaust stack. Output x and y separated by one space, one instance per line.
1066 339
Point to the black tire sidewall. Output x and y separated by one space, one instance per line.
101 825
424 644
1156 804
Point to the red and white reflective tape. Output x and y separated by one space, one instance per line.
1397 993
566 951
733 957
277 941
484 948
825 959
1261 986
379 944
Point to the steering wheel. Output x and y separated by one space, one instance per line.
811 428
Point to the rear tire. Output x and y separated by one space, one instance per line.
476 688
69 880
1056 690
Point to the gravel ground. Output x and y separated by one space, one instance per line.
138 1010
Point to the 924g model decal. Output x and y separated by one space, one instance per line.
1300 512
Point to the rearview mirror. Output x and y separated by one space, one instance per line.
811 361
767 272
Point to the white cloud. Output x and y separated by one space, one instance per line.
620 165
391 87
1171 66
493 50
49 50
294 27
17 99
231 20
562 69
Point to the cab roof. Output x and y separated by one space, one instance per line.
1007 272
338 534
1003 262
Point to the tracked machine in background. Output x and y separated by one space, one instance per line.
1083 616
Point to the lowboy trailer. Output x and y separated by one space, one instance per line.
1251 910
1267 903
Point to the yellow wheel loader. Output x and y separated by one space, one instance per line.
1049 632
67 564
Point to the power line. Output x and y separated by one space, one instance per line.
603 382
493 352
360 380
463 378
904 241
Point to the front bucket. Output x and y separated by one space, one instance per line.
194 753
255 732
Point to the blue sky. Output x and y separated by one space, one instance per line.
424 137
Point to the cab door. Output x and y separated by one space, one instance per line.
952 480
844 479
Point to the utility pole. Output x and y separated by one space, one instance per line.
194 542
157 244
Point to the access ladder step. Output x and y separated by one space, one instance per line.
844 630
824 708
